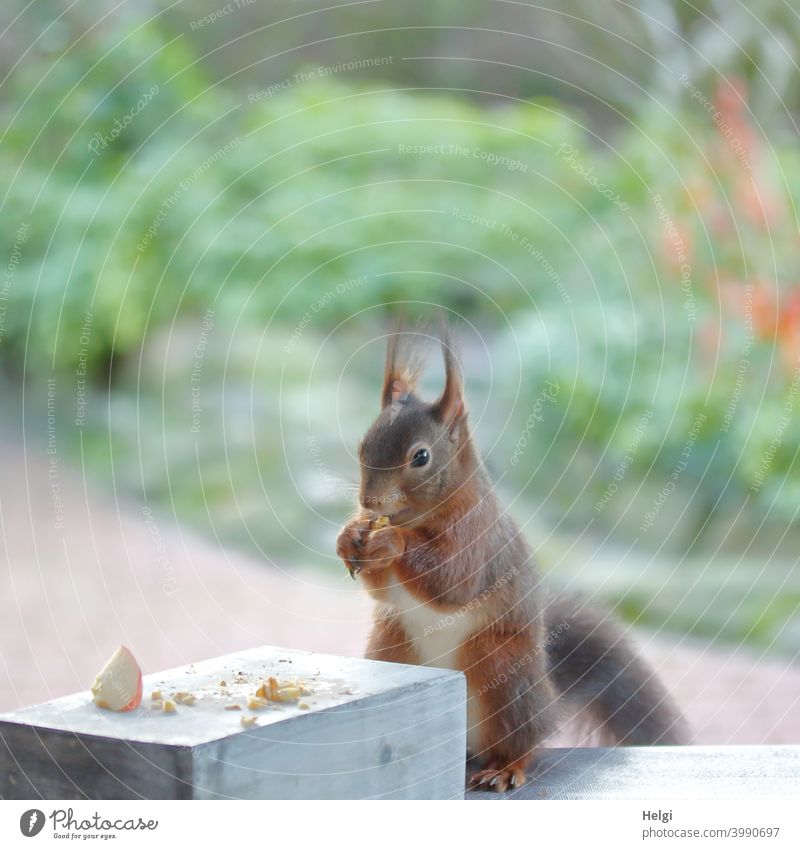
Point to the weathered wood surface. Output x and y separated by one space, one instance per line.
371 730
679 772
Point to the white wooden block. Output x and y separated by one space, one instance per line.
371 730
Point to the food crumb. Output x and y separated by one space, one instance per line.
169 706
156 695
185 698
304 706
287 694
233 707
247 721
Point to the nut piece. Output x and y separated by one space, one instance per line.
156 695
272 691
185 698
254 703
304 706
169 706
247 721
288 694
233 707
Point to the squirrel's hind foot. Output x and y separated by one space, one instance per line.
498 779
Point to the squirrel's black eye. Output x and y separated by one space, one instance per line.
421 457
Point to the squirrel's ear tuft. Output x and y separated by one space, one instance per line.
449 409
403 366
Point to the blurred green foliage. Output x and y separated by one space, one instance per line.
148 192
204 198
690 374
648 270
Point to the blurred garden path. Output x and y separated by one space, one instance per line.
82 573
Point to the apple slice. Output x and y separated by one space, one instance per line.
118 685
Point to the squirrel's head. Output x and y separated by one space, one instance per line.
416 454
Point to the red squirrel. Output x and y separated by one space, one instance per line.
456 587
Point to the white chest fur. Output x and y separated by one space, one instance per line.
437 635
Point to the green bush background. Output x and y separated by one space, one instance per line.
268 205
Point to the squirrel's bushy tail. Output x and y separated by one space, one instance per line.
594 668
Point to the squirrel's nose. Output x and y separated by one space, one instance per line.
367 497
370 501
370 492
381 501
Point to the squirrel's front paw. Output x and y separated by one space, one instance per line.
380 547
350 542
368 544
